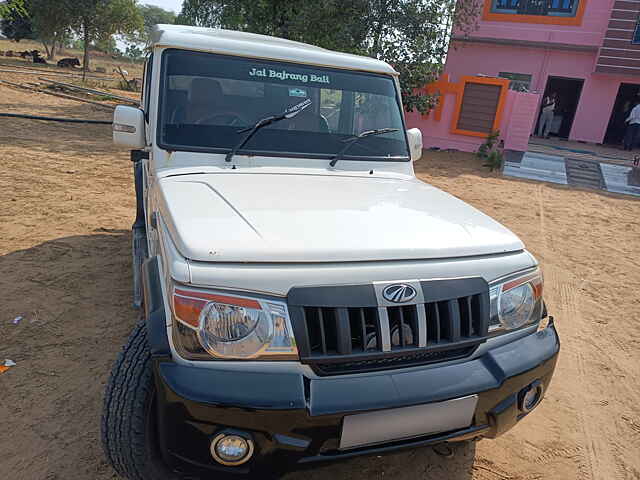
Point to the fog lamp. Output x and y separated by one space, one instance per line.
231 449
530 397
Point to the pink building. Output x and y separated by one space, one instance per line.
585 51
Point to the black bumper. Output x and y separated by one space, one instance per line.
295 420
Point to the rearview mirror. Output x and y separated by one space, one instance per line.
128 127
414 135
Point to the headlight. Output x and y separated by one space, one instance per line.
517 301
231 327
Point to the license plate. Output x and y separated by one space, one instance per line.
407 422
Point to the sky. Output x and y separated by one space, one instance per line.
175 5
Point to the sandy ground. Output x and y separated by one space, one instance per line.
67 205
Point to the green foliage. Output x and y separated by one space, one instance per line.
106 44
134 52
16 23
411 35
13 7
51 23
151 15
16 28
491 152
96 21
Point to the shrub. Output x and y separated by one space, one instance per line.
490 152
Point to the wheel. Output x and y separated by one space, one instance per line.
128 426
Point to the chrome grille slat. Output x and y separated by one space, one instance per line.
422 327
436 311
384 331
323 337
343 330
401 331
453 313
470 329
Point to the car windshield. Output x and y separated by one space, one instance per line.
208 99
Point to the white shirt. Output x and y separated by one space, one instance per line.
634 118
550 108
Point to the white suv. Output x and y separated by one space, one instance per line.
305 297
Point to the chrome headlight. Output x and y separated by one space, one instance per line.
517 301
225 326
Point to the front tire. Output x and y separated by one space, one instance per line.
128 427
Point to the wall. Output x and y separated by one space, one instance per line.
517 121
619 55
598 94
542 51
589 34
521 121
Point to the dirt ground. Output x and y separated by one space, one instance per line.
97 59
67 205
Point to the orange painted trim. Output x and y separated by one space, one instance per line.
469 133
490 16
502 82
442 86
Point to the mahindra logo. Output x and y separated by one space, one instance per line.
399 293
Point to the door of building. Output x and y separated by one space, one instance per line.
628 93
568 91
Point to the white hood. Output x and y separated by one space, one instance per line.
252 217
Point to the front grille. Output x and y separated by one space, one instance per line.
340 338
342 330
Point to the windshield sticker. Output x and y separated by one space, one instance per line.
298 92
300 106
284 75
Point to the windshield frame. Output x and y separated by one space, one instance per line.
267 153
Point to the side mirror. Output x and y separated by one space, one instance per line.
128 127
415 143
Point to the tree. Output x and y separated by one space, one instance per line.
97 20
52 23
15 23
107 44
151 15
134 52
411 35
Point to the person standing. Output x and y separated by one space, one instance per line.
546 118
633 127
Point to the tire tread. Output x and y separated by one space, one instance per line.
126 406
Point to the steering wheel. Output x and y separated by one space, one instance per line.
229 119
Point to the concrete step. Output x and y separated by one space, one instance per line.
584 173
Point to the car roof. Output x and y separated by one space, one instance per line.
252 45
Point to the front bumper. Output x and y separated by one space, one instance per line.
295 420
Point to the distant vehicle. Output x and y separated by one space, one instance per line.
305 297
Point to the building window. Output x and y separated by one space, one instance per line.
479 108
520 82
556 8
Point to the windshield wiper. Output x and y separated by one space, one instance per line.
288 113
353 140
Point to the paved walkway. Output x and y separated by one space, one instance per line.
574 170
